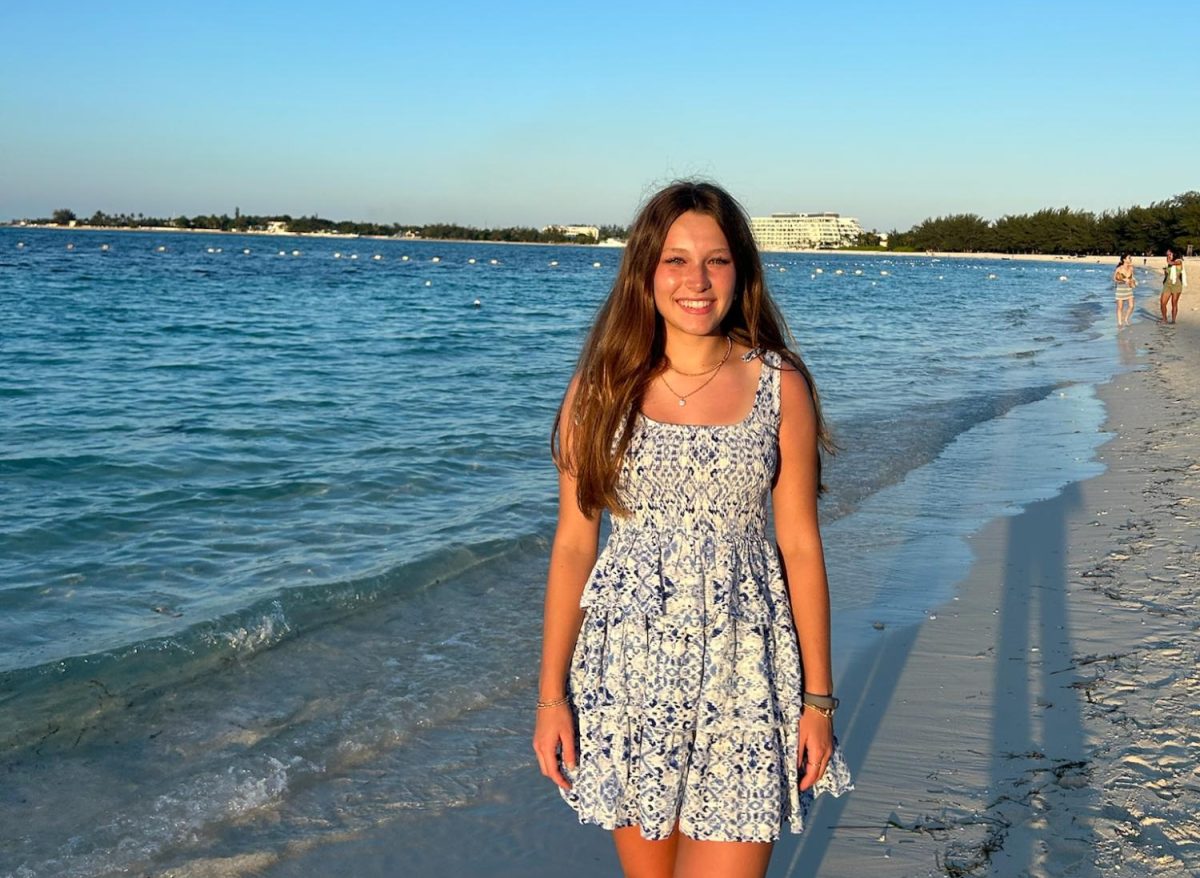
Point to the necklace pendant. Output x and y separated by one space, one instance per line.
682 402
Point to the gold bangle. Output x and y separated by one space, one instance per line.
555 703
826 712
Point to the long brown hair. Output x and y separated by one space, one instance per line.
623 352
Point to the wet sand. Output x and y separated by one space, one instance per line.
1044 722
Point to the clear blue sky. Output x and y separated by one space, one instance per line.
530 113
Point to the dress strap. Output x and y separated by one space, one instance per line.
766 397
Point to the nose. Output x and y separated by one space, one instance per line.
697 278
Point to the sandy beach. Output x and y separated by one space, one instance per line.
1043 722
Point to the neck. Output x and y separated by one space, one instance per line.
691 352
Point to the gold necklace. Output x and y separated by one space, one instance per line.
706 369
682 397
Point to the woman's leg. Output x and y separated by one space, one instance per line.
1175 306
722 859
642 858
1162 304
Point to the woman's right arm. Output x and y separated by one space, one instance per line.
576 542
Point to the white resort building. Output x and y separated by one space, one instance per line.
802 231
586 231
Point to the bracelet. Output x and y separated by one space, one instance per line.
822 704
555 703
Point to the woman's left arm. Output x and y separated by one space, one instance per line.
798 533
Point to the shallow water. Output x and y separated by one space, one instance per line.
275 525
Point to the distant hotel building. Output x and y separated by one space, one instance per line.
587 231
802 231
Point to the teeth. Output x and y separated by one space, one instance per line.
694 304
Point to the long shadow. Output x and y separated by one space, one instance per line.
1028 718
1037 729
873 681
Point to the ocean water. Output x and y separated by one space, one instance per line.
276 511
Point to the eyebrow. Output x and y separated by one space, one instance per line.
686 250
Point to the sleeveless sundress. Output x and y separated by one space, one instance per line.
686 676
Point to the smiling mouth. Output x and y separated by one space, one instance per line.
694 304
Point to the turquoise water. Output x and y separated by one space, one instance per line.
274 522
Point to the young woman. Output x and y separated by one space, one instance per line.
1123 278
686 695
1174 280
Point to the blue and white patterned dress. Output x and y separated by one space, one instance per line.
686 677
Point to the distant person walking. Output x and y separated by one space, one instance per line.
1174 280
1123 278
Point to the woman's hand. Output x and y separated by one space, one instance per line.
554 734
815 746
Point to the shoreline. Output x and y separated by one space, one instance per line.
1037 726
1151 262
1040 723
337 236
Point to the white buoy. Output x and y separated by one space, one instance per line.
478 304
428 283
839 271
595 265
70 246
353 255
553 263
20 245
283 253
104 248
160 249
819 271
471 261
883 274
377 257
991 277
295 252
218 249
436 259
493 262
781 268
404 259
245 251
1062 277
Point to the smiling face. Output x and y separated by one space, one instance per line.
695 280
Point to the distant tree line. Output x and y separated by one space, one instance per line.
1174 223
240 222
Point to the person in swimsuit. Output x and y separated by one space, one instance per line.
1174 280
686 690
1123 278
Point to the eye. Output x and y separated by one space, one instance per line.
721 260
674 260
